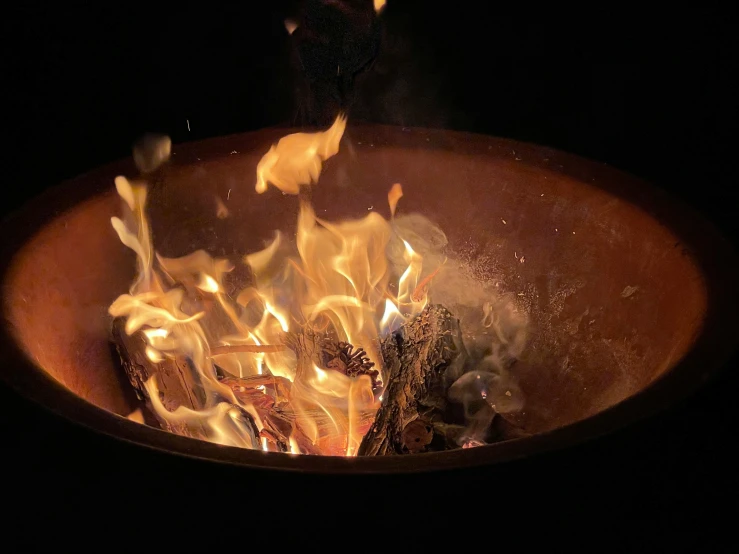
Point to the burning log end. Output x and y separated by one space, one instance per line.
177 386
416 436
176 381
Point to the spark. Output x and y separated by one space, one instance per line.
228 196
188 124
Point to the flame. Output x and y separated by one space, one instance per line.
296 159
136 416
208 283
153 354
409 281
334 279
395 194
391 318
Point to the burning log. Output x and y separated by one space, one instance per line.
416 358
175 377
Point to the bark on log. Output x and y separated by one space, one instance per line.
416 358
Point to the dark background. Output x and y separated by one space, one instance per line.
650 94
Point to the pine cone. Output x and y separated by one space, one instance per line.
342 357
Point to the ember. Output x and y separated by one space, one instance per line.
316 354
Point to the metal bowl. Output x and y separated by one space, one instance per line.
629 294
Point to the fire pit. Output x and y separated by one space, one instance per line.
625 295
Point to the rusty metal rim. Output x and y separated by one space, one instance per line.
713 347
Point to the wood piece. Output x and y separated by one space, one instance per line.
270 397
247 389
416 358
176 380
249 348
175 377
308 351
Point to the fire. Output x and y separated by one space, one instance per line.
296 159
246 353
395 194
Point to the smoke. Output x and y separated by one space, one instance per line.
495 330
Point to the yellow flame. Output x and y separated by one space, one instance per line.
391 318
278 316
208 284
321 375
154 355
136 416
221 423
409 281
334 278
296 159
153 334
